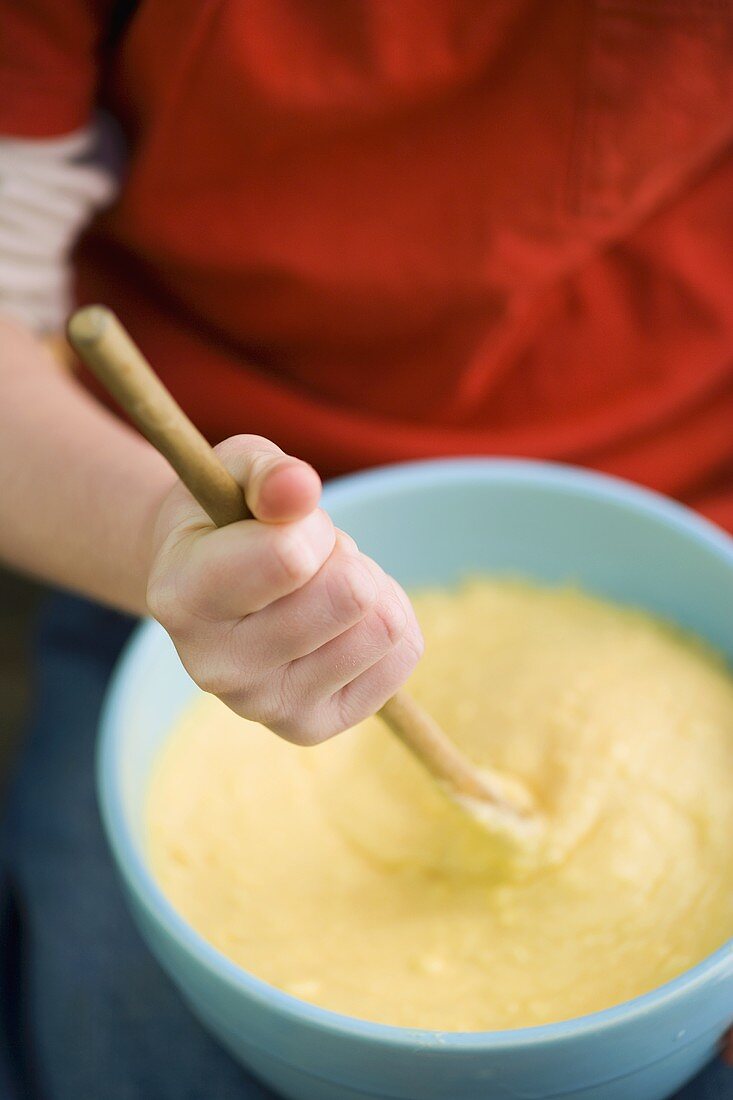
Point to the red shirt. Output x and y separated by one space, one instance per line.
383 229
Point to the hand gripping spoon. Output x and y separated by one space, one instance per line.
498 802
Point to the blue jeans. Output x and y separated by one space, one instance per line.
85 1012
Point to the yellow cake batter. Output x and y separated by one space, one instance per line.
342 874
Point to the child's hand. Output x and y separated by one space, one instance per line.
281 617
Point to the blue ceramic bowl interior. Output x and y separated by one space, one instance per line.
433 523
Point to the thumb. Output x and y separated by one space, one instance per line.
277 487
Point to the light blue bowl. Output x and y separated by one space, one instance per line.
425 523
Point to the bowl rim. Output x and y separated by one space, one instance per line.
148 895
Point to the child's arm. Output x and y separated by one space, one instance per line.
79 487
284 619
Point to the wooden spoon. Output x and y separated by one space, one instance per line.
107 349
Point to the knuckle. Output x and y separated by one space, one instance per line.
303 716
261 462
268 706
346 542
293 559
305 729
216 667
350 710
164 605
324 732
351 590
212 680
399 665
239 444
198 586
155 599
195 598
414 644
180 589
389 620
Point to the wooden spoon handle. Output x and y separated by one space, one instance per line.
107 349
422 735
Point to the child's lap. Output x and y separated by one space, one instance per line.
88 1013
85 1009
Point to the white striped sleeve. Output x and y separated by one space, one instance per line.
50 189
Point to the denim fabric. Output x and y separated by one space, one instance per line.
85 1012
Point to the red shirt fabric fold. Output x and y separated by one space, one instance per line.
377 231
